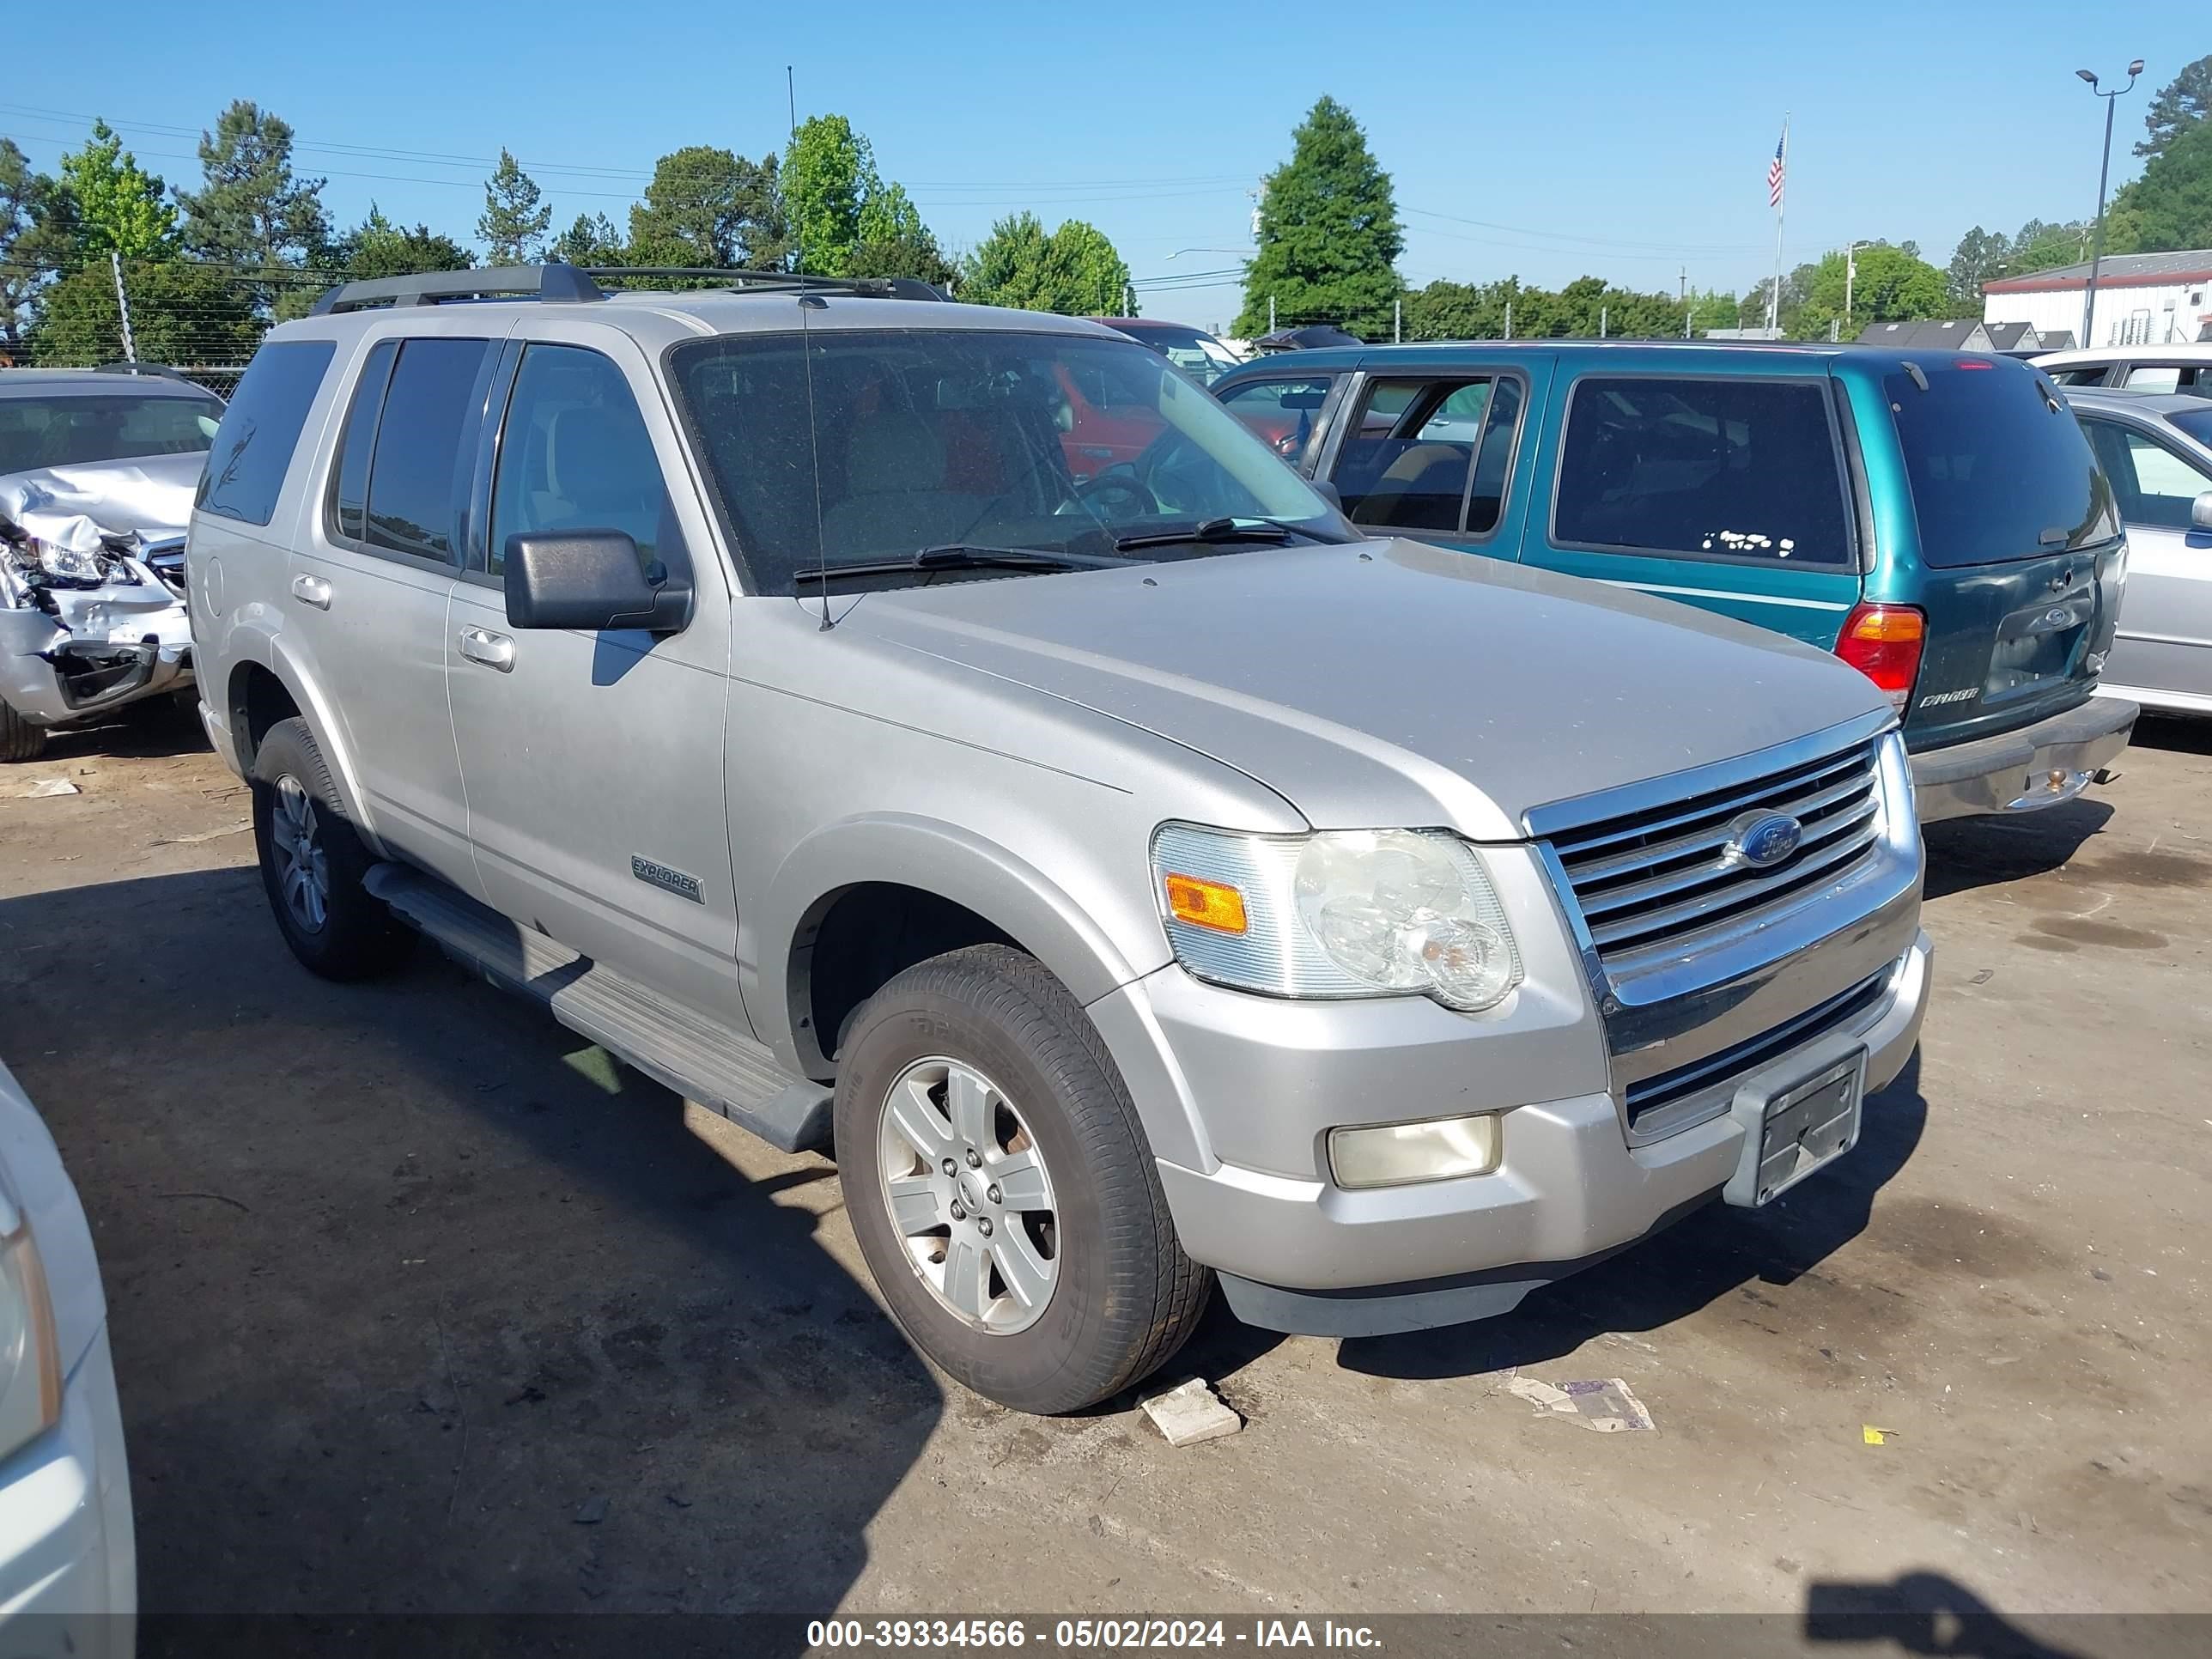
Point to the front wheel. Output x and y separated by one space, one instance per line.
313 862
20 740
1002 1188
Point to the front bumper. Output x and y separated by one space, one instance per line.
2040 765
69 1565
47 672
1301 1254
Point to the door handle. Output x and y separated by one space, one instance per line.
492 650
312 590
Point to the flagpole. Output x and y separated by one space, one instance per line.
1774 295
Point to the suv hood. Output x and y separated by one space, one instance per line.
1389 683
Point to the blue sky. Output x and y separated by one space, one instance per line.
1625 141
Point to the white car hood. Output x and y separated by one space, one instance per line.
73 506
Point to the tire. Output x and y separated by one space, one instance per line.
313 862
1118 1295
20 740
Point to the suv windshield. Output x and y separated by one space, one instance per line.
75 429
925 439
1997 472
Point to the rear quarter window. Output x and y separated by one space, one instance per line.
260 430
1723 469
1998 465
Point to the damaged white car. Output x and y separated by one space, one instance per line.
97 473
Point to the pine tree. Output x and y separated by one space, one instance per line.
516 218
251 210
1328 234
2181 104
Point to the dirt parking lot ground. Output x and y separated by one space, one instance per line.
417 1305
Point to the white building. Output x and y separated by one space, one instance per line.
2143 298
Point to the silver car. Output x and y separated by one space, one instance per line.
2157 451
97 470
1140 881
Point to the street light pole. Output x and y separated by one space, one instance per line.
2104 176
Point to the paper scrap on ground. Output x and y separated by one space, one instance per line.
1189 1412
1874 1437
50 788
1608 1406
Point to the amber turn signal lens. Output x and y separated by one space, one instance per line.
1884 642
1205 903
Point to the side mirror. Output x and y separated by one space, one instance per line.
2200 512
590 580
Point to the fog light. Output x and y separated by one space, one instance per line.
1390 1154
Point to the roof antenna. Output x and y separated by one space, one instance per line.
807 303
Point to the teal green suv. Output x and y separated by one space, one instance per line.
1935 519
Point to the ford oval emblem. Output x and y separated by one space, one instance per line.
1763 840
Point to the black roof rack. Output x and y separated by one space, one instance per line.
554 281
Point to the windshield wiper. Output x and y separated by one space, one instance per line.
958 556
1218 532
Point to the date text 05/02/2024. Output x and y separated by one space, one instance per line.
1087 1635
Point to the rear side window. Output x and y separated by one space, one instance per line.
418 469
1741 469
1999 467
349 488
261 428
1431 455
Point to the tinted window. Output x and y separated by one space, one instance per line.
74 430
1408 463
576 455
876 444
2154 484
349 488
2196 423
1725 469
261 428
418 477
1999 468
2093 374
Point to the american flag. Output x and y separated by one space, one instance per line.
1774 171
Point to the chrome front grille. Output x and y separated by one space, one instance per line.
1651 880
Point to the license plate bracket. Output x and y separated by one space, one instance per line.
1797 1127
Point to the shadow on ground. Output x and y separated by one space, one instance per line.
419 1305
1714 1252
152 730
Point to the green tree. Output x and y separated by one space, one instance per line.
1328 233
2169 206
1893 285
38 239
181 312
251 210
593 240
1074 271
377 247
829 175
2182 103
709 207
894 242
2046 246
118 206
515 217
1980 256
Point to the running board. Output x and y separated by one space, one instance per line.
673 1046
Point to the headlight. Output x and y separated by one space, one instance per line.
1340 914
30 1351
66 564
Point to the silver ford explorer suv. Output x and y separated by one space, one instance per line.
1138 879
